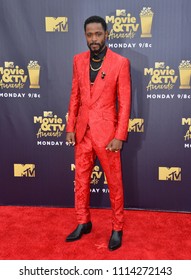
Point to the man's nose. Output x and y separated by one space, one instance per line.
94 38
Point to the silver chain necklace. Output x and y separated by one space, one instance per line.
95 70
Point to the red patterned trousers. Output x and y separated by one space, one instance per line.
85 154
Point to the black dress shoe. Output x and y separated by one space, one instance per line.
79 231
115 240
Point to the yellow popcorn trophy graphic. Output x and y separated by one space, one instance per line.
146 16
34 74
185 74
66 117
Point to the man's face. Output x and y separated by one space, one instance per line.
95 36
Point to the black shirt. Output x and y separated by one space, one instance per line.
96 61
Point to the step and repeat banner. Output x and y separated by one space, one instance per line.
38 41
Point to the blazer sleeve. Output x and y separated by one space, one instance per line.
124 100
74 100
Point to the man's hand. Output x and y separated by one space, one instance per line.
115 145
70 138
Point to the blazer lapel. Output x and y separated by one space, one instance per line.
100 79
85 72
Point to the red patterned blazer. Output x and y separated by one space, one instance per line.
96 105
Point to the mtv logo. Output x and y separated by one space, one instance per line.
136 125
9 64
48 114
24 170
159 64
120 13
169 174
59 24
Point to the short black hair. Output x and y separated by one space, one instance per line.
95 19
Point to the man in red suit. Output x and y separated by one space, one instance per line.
97 125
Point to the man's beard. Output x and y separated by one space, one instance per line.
101 46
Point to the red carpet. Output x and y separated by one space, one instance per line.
38 233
